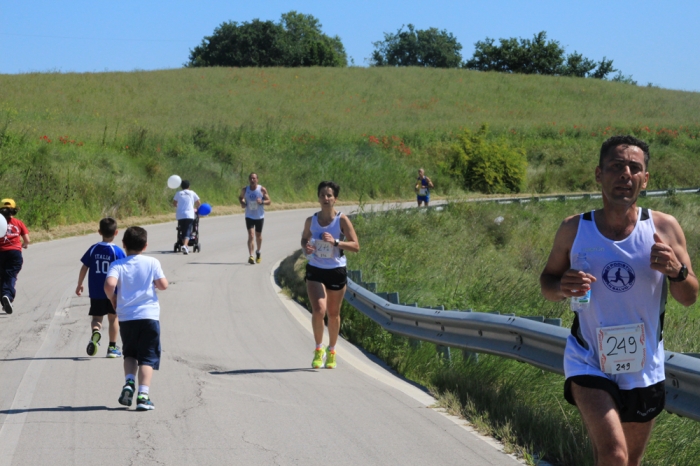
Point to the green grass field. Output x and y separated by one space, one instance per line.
74 147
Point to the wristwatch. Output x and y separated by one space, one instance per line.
682 275
337 242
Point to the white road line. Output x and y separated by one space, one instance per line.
11 429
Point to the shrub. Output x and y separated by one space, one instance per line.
487 166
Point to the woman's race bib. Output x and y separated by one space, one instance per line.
422 192
324 249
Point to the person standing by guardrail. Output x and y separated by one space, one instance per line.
327 235
614 357
423 185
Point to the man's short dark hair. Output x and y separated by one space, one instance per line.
185 184
328 184
108 227
135 239
615 141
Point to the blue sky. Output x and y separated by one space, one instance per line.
655 42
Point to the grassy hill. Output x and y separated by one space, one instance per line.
105 142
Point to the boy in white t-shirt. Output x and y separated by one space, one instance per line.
136 278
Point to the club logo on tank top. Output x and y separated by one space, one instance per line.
618 276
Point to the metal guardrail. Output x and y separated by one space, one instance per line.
522 339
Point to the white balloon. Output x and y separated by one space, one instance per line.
174 182
3 226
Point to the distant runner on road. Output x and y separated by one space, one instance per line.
614 357
327 235
423 185
11 259
253 199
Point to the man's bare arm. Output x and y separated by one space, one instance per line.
669 254
558 280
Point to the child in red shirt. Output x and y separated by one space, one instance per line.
11 253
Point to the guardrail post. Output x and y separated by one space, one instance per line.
444 351
371 287
469 356
415 344
466 354
553 321
393 298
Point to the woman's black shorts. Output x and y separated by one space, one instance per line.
333 279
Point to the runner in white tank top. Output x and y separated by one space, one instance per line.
327 235
253 199
614 356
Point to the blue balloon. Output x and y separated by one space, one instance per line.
204 209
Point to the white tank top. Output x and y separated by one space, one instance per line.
627 291
254 210
333 257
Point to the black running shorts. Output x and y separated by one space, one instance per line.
101 307
333 279
252 223
635 405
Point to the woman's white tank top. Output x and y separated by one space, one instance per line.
627 291
254 210
337 258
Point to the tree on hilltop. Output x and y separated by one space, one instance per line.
535 56
417 47
297 40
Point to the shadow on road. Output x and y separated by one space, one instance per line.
217 263
262 371
61 409
77 358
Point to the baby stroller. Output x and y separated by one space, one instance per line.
194 237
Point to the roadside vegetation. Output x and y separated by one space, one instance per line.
74 147
463 258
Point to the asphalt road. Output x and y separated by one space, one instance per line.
235 385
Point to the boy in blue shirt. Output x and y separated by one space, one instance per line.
131 285
96 262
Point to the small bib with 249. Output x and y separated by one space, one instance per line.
324 249
622 348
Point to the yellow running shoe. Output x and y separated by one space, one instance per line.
319 358
330 360
251 260
258 259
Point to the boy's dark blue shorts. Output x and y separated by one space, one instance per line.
141 341
101 307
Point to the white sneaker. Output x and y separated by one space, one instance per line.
185 251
